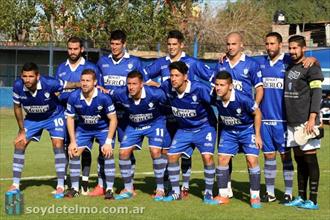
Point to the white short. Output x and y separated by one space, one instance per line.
312 144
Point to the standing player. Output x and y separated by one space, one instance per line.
190 104
36 94
143 104
71 71
245 72
93 110
241 121
159 70
302 95
273 128
114 69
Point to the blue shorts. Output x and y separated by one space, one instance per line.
185 141
156 132
85 138
273 137
232 140
55 125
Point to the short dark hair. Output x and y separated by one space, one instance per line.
180 66
75 39
134 74
30 67
89 72
118 35
300 40
224 75
176 34
276 35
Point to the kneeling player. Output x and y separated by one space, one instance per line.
238 112
142 103
93 110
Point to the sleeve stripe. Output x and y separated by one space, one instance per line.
258 84
16 102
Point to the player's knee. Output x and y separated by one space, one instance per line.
208 159
223 160
155 152
270 156
20 146
124 154
252 162
57 143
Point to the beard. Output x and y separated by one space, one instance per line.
74 58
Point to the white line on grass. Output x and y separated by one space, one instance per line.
137 173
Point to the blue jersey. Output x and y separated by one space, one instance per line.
145 111
191 109
237 113
41 104
114 73
90 115
272 105
66 73
196 69
246 74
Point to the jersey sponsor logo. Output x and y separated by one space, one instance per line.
273 83
105 65
136 118
78 106
238 85
184 113
230 121
222 68
91 119
293 74
36 108
111 80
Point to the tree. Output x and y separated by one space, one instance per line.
17 18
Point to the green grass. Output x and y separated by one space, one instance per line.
40 162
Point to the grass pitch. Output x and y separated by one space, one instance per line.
38 182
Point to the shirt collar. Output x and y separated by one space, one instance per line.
126 56
187 90
143 94
82 61
39 87
95 93
231 99
183 54
241 58
280 57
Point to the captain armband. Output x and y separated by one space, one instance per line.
315 84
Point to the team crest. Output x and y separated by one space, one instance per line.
47 95
130 66
151 105
239 111
194 98
245 71
99 107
